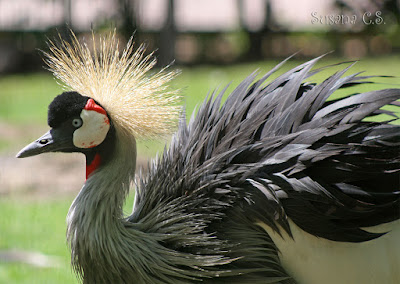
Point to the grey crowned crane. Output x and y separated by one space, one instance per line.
275 185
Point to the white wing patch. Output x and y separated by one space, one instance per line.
93 130
312 260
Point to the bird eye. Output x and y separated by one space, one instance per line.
77 122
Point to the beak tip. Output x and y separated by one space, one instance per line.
19 155
23 153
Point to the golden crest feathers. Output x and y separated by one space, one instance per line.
142 105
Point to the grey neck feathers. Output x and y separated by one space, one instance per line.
95 225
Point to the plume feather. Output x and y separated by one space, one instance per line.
140 104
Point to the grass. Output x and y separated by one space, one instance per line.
40 225
25 97
37 226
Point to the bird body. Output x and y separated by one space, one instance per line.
276 185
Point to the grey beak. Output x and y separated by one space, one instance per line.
37 147
51 141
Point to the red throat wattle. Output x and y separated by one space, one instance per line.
93 165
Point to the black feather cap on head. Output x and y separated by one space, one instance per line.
64 106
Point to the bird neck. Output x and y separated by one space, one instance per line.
96 213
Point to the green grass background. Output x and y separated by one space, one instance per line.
39 225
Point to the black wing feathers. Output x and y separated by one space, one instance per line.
277 150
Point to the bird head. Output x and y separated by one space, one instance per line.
110 99
78 124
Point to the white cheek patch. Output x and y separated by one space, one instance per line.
93 130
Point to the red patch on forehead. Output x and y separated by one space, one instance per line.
91 105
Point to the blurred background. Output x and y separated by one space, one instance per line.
213 42
205 32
